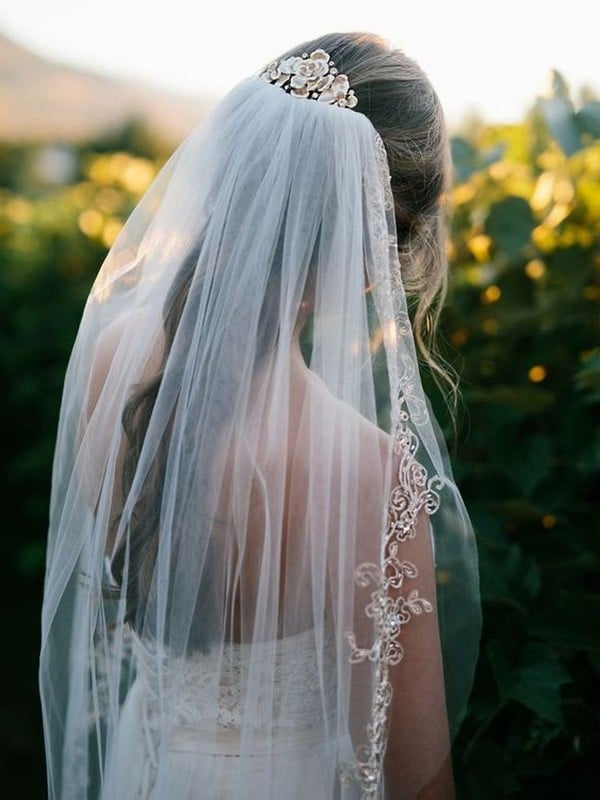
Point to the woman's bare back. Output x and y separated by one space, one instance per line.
295 447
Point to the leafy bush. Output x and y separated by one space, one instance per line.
522 313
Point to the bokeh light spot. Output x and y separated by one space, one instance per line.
491 295
480 245
111 230
490 326
459 337
537 373
18 210
137 175
535 269
90 222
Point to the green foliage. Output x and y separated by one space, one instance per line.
572 129
522 323
522 313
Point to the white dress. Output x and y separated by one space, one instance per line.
204 734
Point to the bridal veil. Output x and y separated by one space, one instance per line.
261 578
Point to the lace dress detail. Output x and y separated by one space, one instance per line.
205 693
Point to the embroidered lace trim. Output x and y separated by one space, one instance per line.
413 492
206 691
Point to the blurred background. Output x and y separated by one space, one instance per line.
92 102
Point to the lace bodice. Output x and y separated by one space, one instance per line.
282 683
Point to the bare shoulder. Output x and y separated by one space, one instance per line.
367 457
374 443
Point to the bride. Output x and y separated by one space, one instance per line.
261 579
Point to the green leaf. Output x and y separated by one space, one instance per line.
519 509
527 399
30 559
587 379
560 116
572 621
494 584
501 669
589 457
508 575
490 774
509 223
560 88
464 158
536 680
588 118
532 464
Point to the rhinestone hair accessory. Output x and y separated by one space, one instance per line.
313 76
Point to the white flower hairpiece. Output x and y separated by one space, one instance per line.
313 76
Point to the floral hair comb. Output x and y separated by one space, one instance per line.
312 76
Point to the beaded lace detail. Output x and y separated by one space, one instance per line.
210 687
206 691
413 491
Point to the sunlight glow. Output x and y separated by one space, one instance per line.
206 50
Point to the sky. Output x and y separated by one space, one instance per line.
483 57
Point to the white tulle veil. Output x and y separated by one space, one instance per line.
245 462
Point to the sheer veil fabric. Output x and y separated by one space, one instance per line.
261 578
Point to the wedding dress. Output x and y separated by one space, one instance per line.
288 758
261 579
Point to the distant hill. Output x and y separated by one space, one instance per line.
41 100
